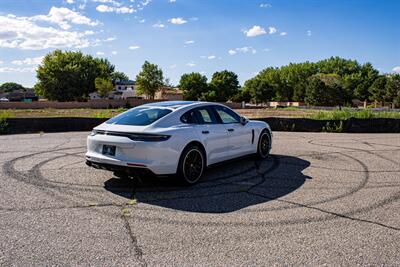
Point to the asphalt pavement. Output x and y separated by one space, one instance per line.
320 198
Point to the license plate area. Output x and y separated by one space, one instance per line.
108 150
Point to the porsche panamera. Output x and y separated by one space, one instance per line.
175 138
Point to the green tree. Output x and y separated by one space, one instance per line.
259 89
193 85
363 80
103 86
325 90
10 86
223 86
378 90
117 76
66 76
150 79
243 94
392 89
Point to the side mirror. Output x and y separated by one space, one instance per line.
243 120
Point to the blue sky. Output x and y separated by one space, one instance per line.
205 36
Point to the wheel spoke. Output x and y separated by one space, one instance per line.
193 165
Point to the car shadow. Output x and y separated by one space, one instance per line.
224 188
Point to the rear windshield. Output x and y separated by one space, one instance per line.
139 116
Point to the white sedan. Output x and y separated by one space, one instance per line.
175 137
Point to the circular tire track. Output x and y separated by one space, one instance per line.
59 189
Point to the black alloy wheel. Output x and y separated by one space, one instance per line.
264 144
192 164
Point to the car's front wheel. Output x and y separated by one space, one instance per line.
264 145
191 164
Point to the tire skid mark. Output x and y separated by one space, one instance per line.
36 178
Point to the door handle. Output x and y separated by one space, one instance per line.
205 132
231 130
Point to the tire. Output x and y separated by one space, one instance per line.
191 164
264 144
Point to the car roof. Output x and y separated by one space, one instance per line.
176 104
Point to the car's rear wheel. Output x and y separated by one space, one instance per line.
264 145
191 164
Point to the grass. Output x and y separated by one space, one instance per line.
345 114
5 114
291 112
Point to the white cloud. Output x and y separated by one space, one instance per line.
191 64
115 3
70 1
24 33
158 25
265 5
9 69
211 57
177 21
100 53
173 66
245 49
232 52
142 21
141 4
63 16
114 52
123 10
1 62
309 33
134 47
82 5
189 42
283 33
110 39
203 72
266 49
172 1
396 69
255 31
272 30
28 61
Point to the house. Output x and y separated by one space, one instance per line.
23 95
121 86
122 90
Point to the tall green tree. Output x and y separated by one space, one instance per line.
378 89
150 79
325 90
362 81
66 76
223 86
118 76
193 85
259 89
392 89
10 86
103 86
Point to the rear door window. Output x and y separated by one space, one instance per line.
202 115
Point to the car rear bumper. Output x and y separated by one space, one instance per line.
118 168
161 158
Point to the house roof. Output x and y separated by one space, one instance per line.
125 82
